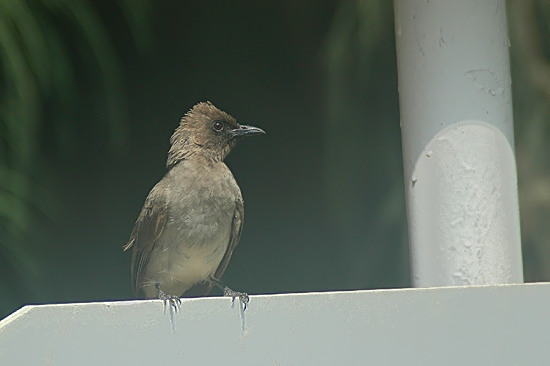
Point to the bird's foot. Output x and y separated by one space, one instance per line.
174 301
243 297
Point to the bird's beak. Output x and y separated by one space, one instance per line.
247 131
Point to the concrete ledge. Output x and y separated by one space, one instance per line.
487 325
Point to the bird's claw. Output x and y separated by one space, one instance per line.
243 297
174 301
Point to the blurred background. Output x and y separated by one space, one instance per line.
90 92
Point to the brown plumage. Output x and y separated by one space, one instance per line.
192 219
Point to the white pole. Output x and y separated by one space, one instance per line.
458 142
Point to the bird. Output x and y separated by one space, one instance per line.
192 219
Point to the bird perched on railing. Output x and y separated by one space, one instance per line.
191 221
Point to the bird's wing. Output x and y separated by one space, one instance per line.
147 230
237 225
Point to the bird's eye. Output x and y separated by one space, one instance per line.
217 126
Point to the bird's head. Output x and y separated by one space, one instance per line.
206 130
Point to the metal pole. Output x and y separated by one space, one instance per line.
458 142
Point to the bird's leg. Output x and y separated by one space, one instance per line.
243 296
175 301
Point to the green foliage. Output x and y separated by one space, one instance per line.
37 64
